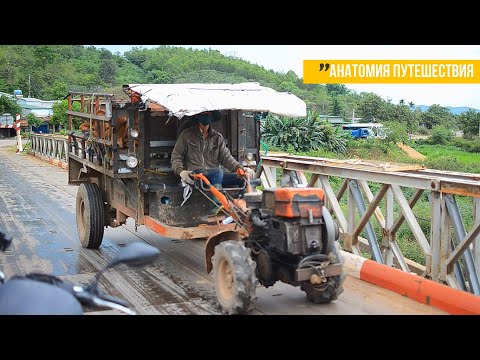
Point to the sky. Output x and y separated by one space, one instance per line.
290 57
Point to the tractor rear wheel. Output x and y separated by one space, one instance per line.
234 277
90 215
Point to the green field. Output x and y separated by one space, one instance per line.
449 158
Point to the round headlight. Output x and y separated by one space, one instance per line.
249 156
132 162
134 133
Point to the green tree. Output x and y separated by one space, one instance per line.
337 89
394 132
336 107
372 107
288 86
10 106
44 54
469 122
59 116
108 67
437 115
57 91
33 120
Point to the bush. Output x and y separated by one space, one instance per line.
62 132
447 162
395 132
25 134
467 145
441 135
422 130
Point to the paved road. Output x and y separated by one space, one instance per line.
37 208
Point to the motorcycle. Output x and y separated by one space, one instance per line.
44 294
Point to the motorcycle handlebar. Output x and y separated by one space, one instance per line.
101 299
113 299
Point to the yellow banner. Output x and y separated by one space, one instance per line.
391 71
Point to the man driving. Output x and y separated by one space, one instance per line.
202 149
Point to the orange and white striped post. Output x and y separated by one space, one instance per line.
19 137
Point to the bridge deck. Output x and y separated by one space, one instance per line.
37 208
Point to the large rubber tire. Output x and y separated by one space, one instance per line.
329 291
90 215
234 277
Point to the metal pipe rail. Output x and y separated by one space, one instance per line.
49 147
451 260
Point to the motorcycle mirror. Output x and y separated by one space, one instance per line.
136 254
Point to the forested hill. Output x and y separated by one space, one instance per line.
48 72
54 70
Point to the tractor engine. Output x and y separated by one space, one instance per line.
288 226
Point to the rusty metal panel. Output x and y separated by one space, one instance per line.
189 233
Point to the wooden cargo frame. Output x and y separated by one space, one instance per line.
124 199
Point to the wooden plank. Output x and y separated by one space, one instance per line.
357 163
87 115
384 166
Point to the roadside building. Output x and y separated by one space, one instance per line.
42 109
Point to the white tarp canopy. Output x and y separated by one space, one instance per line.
191 99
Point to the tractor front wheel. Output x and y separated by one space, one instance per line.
234 277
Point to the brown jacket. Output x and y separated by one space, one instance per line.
192 152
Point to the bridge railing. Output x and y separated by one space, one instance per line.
452 256
49 147
451 251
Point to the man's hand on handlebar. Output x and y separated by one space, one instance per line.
185 175
242 171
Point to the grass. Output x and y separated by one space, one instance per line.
450 158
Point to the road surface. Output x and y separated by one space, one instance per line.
37 207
